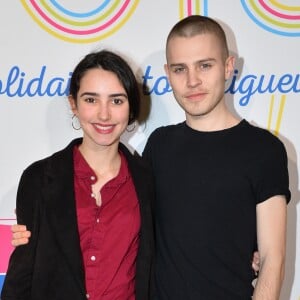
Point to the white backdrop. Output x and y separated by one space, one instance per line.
41 41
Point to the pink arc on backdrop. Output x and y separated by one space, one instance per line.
276 13
80 32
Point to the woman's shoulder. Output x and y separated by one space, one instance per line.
60 157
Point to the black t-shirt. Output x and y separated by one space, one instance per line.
207 188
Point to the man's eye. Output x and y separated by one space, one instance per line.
206 66
178 70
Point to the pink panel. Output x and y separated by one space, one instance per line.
5 247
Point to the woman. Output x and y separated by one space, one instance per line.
88 206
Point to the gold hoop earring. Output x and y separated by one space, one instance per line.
74 126
130 129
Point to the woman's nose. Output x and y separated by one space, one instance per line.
103 112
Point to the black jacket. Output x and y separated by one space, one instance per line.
50 266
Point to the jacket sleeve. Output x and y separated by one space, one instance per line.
17 283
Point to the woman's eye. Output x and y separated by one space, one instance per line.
90 100
117 101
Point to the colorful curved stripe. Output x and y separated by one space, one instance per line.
285 27
276 13
272 21
46 17
80 32
80 15
80 23
284 7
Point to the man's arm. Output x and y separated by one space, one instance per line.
271 238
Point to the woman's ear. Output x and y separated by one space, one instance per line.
73 105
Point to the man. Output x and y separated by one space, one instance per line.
221 183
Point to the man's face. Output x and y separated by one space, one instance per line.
197 70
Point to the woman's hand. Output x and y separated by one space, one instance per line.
256 262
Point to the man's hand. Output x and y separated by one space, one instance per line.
20 235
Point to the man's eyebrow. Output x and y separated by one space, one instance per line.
196 62
177 65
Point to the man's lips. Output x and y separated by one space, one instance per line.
196 96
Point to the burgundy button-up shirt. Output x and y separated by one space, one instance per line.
109 234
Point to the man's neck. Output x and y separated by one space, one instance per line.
212 123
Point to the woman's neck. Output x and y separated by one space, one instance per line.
102 160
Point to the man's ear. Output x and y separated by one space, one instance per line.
229 66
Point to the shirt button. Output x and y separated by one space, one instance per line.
87 296
92 195
98 220
93 177
93 258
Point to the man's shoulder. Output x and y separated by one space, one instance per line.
164 131
161 139
260 134
262 143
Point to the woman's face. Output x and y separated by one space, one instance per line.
102 108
